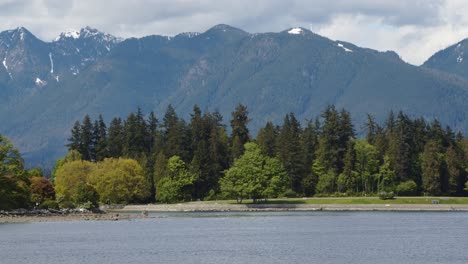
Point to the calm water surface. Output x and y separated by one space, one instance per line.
276 237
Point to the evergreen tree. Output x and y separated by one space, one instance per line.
400 153
175 135
240 132
291 152
347 181
152 133
345 133
74 141
266 139
116 138
431 168
87 150
101 140
329 140
135 135
455 170
309 141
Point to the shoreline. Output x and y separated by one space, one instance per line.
214 207
131 212
110 216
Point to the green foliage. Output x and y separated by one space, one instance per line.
49 204
326 182
177 182
85 194
119 181
431 169
407 188
289 194
386 195
323 158
240 132
70 177
254 175
14 182
291 152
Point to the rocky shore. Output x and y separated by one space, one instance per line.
141 211
42 215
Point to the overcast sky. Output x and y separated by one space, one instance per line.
415 29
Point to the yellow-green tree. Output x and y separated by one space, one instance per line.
70 181
119 181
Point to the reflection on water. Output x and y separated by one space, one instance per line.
244 237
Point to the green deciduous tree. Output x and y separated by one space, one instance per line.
254 175
177 183
14 182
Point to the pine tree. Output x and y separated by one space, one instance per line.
290 151
240 132
329 140
87 148
75 138
266 139
116 138
345 133
309 142
455 171
431 168
152 132
175 135
102 151
347 181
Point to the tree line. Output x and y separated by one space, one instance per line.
199 159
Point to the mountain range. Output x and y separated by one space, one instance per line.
46 86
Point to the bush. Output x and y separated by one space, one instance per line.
289 194
49 204
407 188
386 195
211 195
66 205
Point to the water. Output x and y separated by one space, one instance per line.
274 237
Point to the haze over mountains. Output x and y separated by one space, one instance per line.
46 86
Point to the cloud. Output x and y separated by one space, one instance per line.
415 29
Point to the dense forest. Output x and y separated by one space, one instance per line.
198 159
145 159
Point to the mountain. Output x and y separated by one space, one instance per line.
273 74
451 60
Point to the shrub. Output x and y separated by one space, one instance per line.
407 188
49 204
66 205
211 195
289 194
386 195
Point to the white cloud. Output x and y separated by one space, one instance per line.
415 29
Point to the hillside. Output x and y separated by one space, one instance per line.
451 60
272 73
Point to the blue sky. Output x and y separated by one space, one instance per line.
414 29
